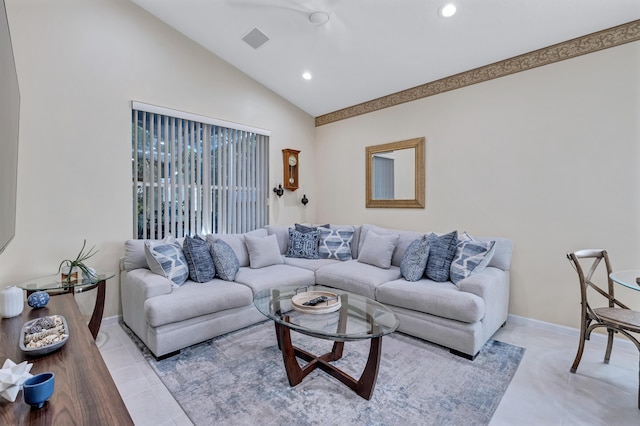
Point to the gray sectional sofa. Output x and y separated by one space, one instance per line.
461 316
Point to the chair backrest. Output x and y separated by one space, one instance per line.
592 258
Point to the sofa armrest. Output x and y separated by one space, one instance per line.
492 285
145 283
486 284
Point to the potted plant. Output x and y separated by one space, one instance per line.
69 268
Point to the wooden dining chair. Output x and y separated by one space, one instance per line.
615 316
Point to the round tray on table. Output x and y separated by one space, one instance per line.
332 303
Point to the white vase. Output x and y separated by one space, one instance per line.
11 302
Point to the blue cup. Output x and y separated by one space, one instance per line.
38 389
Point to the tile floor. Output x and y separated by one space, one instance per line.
543 391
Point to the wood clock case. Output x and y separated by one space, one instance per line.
290 171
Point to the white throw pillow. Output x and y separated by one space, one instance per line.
378 249
263 251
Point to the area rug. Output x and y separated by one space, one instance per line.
239 379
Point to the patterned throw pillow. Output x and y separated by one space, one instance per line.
225 260
442 250
167 260
303 244
335 243
196 251
414 259
378 249
471 257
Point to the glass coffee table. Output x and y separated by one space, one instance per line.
349 317
55 285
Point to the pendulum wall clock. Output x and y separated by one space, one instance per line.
290 166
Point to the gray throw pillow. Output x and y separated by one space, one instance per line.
225 260
167 260
414 259
263 251
378 249
442 250
471 257
303 244
201 267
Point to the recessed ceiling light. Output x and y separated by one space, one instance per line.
319 17
306 75
448 10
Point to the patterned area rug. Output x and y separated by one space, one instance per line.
239 379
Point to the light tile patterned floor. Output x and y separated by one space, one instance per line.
543 391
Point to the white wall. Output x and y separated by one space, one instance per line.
79 64
549 157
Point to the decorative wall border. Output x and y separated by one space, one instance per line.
590 43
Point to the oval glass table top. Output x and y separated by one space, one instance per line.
56 283
365 318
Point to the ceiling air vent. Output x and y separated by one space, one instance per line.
255 38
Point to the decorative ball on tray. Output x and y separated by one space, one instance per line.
39 299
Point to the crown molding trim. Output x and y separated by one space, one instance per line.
590 43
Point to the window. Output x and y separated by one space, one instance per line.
196 175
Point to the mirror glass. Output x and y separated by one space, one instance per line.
395 174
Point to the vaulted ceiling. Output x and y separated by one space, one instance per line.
372 48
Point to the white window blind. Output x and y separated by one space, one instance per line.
196 175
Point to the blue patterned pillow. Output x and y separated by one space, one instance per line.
414 259
335 243
225 260
303 244
167 260
201 268
442 250
471 257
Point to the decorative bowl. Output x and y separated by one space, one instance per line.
45 349
38 389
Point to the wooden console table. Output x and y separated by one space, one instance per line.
84 393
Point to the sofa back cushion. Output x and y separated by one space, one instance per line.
237 243
405 238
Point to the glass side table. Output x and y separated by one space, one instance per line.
55 285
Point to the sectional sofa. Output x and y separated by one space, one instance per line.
460 309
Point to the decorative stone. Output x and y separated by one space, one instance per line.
39 299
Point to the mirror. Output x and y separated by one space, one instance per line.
395 174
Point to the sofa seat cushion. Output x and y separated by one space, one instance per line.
274 276
195 299
310 264
441 299
356 277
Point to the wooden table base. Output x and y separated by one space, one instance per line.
363 386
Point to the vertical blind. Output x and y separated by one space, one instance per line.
196 175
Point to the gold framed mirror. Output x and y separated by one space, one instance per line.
395 174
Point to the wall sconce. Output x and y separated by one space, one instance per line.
304 200
279 190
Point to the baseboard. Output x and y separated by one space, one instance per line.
111 320
567 331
